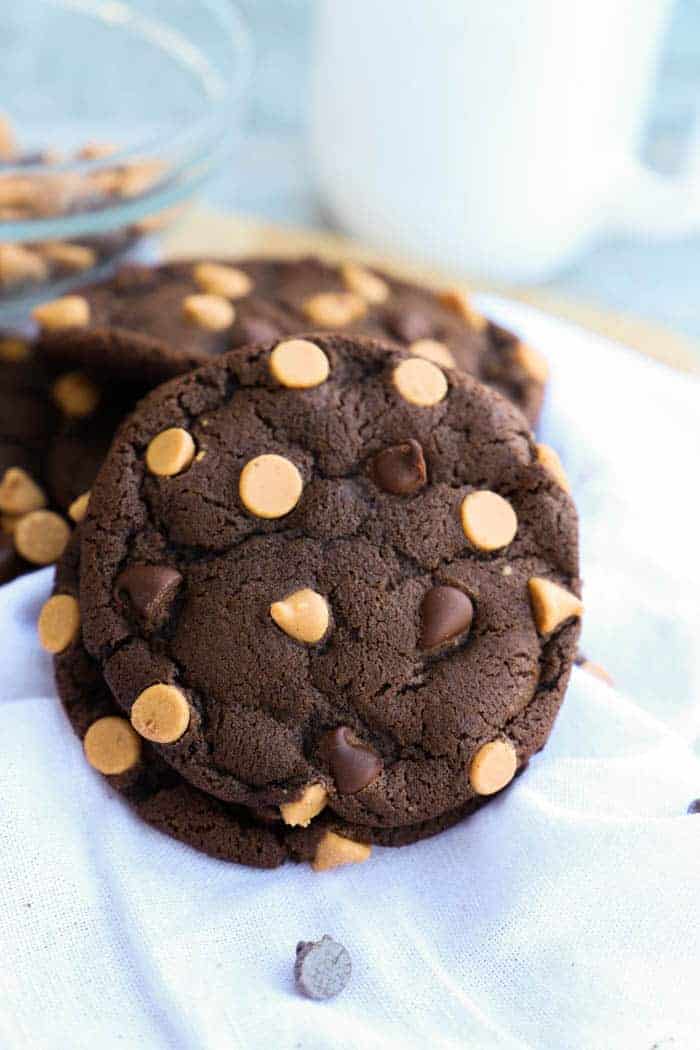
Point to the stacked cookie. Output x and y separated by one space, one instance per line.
325 593
98 352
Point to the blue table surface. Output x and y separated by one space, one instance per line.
273 179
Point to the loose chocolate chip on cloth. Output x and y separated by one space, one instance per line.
321 968
296 639
152 323
164 799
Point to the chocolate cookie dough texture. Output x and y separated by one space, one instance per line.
340 593
157 322
159 795
32 533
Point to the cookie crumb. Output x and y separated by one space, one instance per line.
322 968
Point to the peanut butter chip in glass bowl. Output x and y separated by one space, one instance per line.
19 264
302 615
59 623
111 746
433 350
552 604
161 713
301 812
420 382
299 364
75 394
19 493
334 850
488 520
41 537
364 283
270 486
493 766
70 257
335 309
218 279
208 311
170 452
71 311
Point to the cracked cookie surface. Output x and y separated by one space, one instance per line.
151 323
163 798
419 517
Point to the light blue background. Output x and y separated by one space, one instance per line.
273 177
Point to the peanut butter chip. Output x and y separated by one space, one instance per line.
488 520
111 746
161 713
270 486
19 493
75 394
302 615
208 311
492 767
8 143
226 281
12 351
552 464
551 604
303 811
335 309
41 537
460 303
18 264
532 362
420 382
59 623
66 256
364 283
72 311
96 150
433 350
334 850
299 364
170 452
78 508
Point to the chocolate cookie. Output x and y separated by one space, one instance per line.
27 423
154 323
157 793
327 573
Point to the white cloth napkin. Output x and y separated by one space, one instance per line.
563 916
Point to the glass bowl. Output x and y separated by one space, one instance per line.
113 113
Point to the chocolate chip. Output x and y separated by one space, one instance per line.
352 764
150 590
322 968
445 614
400 469
409 325
694 806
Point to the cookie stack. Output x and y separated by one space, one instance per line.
63 396
325 591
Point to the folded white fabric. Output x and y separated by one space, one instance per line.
563 916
